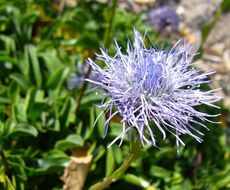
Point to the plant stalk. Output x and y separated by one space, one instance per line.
116 175
83 88
4 161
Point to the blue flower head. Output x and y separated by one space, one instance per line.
162 17
154 86
76 79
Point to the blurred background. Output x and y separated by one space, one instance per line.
47 138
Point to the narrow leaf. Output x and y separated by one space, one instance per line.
110 163
24 129
71 141
34 63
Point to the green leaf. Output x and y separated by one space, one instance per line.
4 100
7 184
8 59
46 163
77 139
160 172
50 29
53 124
52 162
17 165
24 129
2 113
15 16
187 185
30 17
91 25
71 141
65 113
14 91
110 163
3 52
79 128
100 117
34 65
30 98
91 97
220 179
19 112
36 110
51 61
57 125
20 80
225 5
92 147
33 96
89 129
98 153
116 129
8 127
165 153
133 179
9 43
117 153
56 80
87 42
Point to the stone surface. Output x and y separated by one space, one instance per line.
221 32
197 13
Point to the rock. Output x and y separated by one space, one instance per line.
220 33
198 13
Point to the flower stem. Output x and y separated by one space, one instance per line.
83 88
4 161
116 175
109 25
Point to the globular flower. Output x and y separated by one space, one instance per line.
154 86
76 79
163 17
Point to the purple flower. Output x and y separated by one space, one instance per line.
152 85
163 16
77 79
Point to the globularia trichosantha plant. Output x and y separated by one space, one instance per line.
154 86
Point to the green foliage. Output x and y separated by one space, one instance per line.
39 129
70 141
